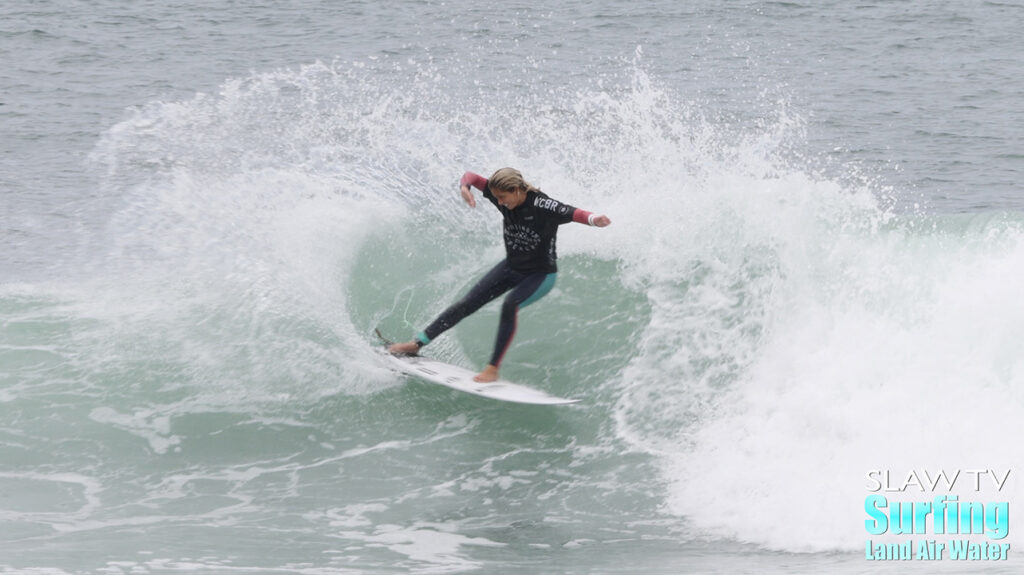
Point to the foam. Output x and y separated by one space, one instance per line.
788 308
802 335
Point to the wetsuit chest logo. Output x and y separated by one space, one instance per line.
520 238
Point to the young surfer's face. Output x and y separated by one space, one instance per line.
511 199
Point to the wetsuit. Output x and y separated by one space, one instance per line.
529 268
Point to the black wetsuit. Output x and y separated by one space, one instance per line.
529 269
531 230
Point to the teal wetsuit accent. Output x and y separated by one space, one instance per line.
545 287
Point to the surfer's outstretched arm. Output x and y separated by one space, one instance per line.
476 180
470 179
585 217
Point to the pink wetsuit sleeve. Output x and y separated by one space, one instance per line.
476 180
582 217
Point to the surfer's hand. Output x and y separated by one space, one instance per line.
602 221
467 195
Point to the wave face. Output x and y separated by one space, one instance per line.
751 335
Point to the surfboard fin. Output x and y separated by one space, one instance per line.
383 339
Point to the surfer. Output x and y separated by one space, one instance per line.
531 221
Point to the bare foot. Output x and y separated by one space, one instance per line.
407 348
488 375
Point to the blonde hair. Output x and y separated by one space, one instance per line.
509 179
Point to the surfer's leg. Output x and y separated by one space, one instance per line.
497 281
531 289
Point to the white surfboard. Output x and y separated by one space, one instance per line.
461 379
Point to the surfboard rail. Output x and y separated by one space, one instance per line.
461 379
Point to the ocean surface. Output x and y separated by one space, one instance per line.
810 293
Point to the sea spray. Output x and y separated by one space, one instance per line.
754 304
801 333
